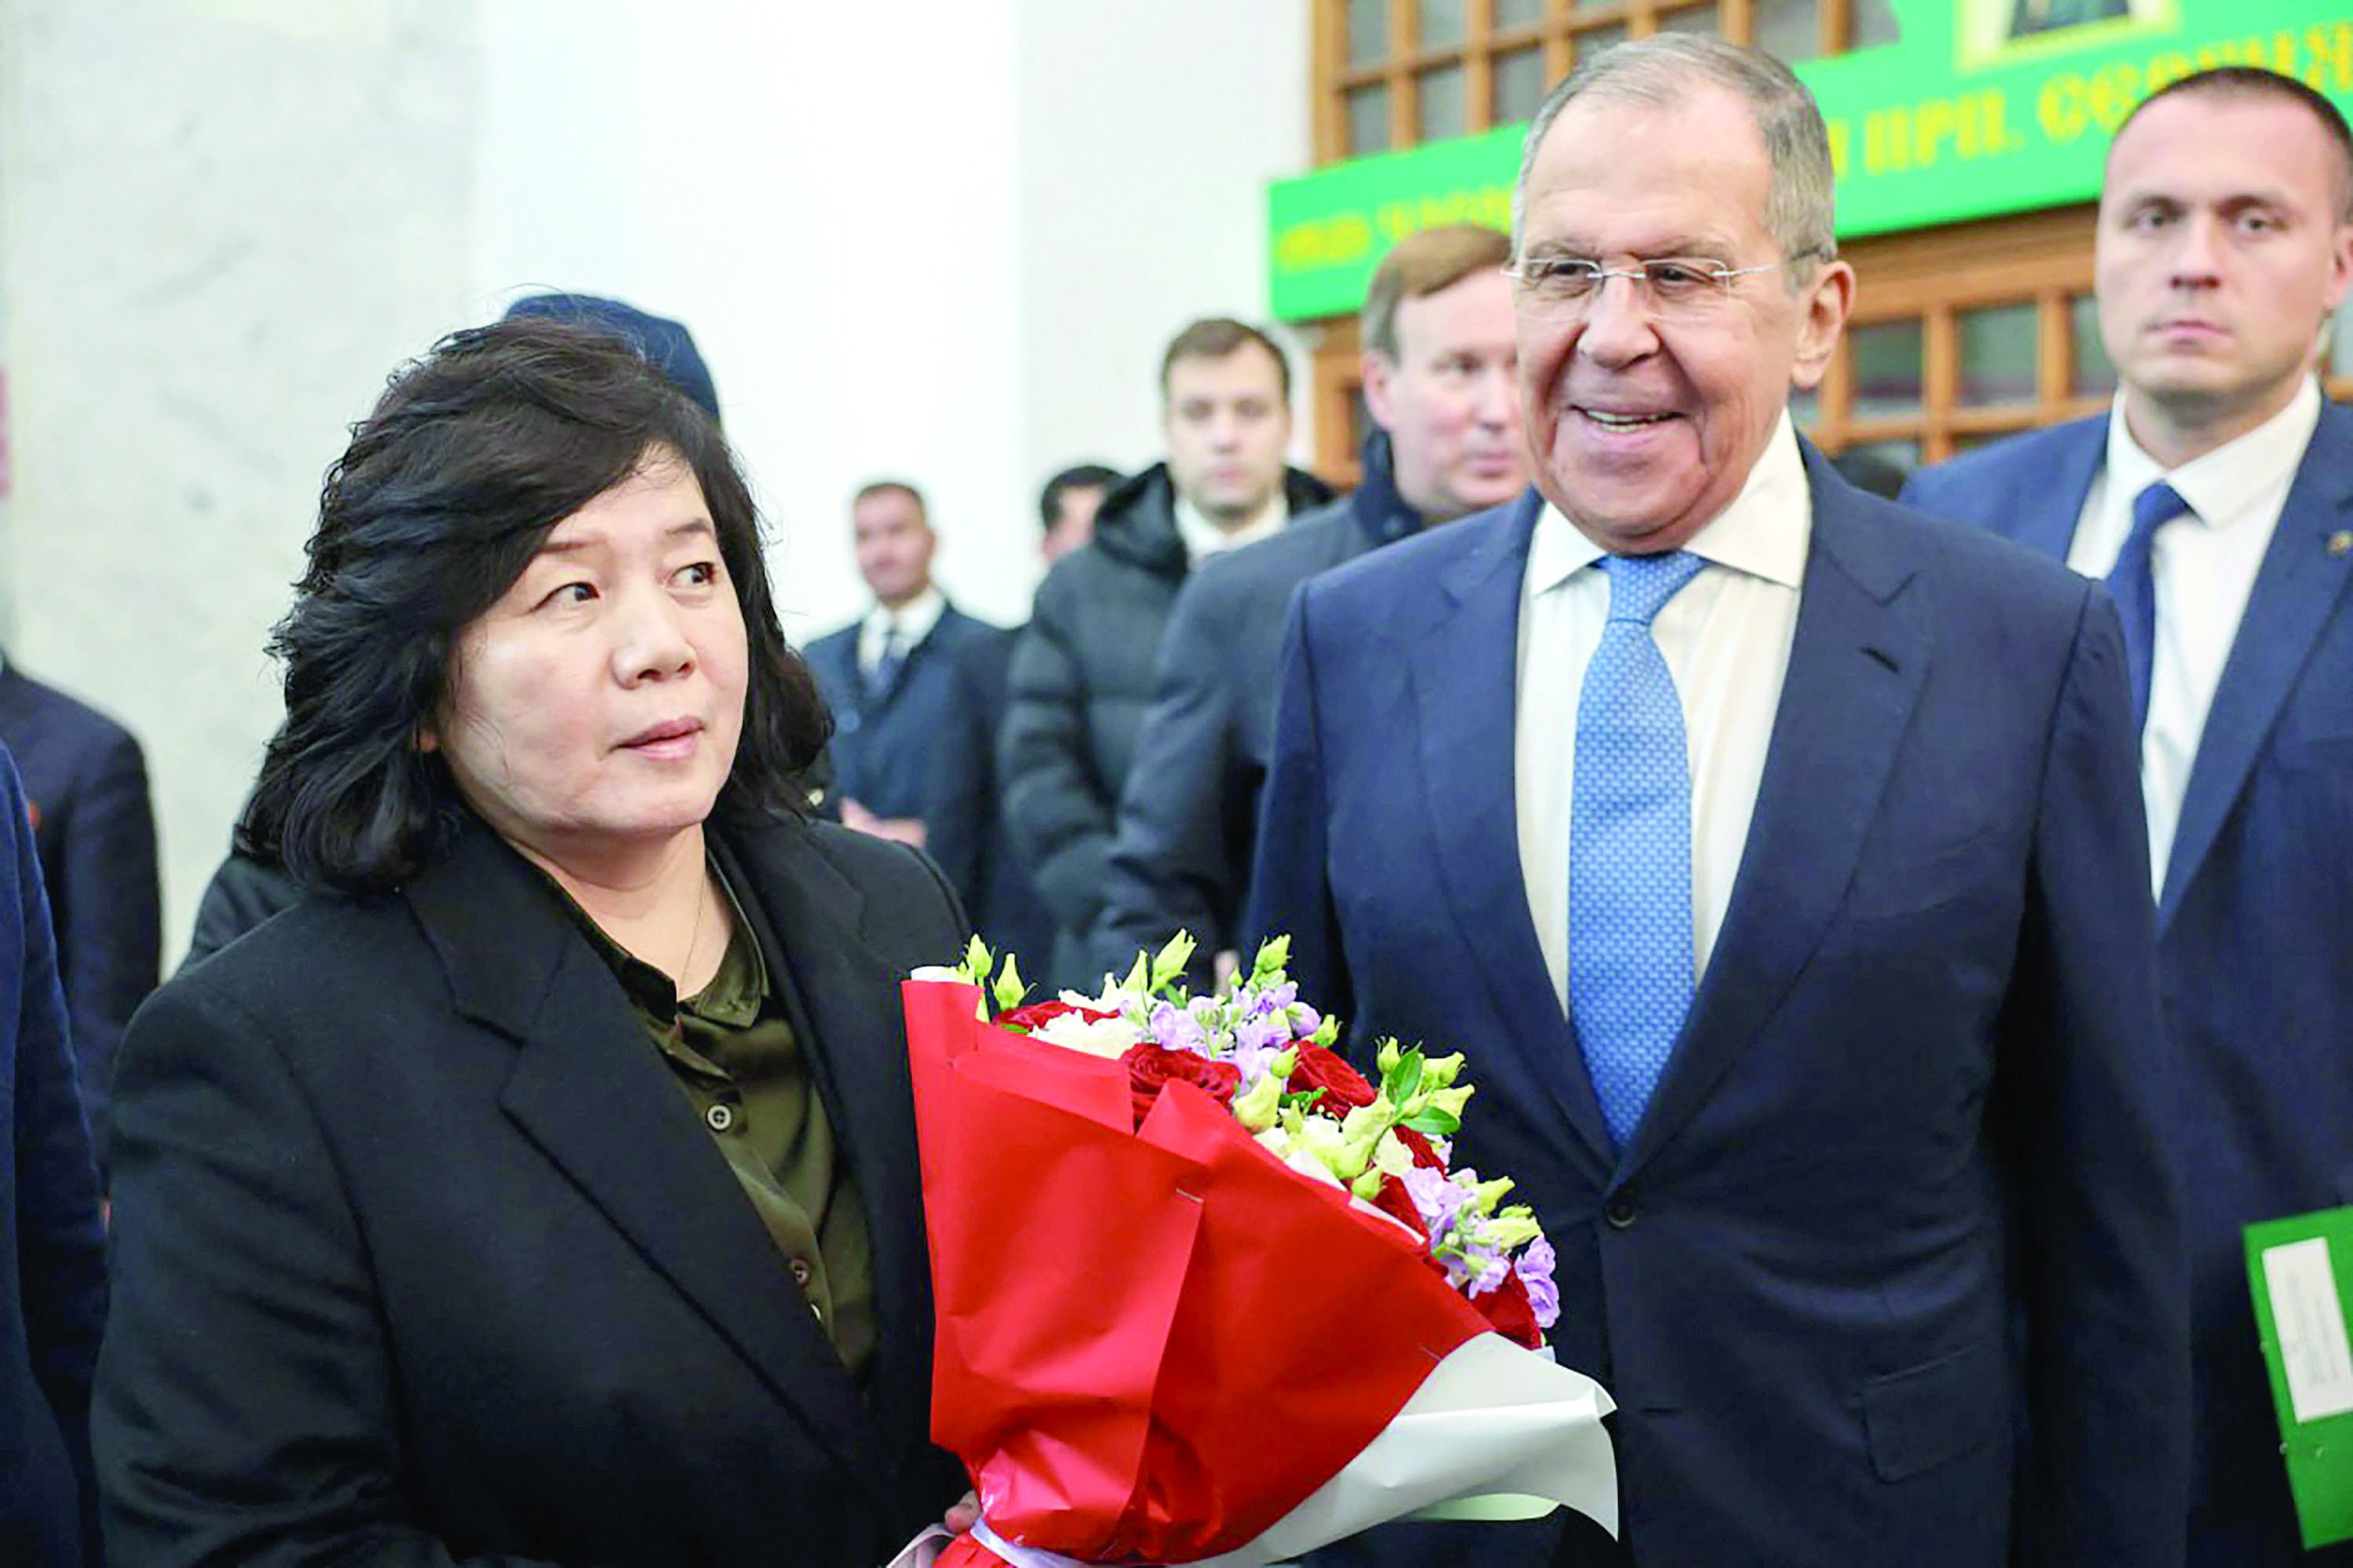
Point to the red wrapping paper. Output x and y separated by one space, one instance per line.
1151 1343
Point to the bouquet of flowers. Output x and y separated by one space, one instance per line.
1207 1294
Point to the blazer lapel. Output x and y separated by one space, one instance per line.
592 1093
1855 669
2053 504
1465 675
2298 586
830 978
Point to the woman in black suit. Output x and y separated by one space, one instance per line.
543 1187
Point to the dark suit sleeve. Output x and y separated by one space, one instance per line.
111 948
242 893
1290 890
61 1261
245 1408
960 791
2086 1087
1171 866
1056 807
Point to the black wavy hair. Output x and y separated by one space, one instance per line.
473 455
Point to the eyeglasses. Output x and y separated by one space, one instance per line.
1669 286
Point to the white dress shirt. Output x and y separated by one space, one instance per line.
1725 638
1204 538
913 620
2203 567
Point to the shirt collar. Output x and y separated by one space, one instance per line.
1204 538
915 618
2227 483
1764 533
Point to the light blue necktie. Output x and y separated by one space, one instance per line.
2134 587
1631 966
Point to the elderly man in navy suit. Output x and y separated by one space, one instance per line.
2216 497
52 1250
1775 855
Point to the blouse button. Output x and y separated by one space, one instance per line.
802 1273
720 1117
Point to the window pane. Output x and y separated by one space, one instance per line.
1596 38
1519 86
2341 352
1696 19
1902 456
1873 23
1369 118
1518 13
1368 31
1789 29
1442 23
1998 355
2095 377
1444 112
1887 357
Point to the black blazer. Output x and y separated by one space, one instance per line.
421 1256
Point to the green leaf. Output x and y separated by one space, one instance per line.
1404 1079
1327 1034
1140 976
1433 1123
1304 1100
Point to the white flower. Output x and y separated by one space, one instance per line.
1107 1037
938 974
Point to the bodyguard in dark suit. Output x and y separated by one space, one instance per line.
95 827
541 1188
1082 670
52 1248
889 676
1839 1087
1437 329
2217 500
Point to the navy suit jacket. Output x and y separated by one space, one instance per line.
2254 924
52 1250
1918 1097
96 831
968 835
886 745
1188 810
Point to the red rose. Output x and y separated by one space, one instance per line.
1508 1312
1038 1014
1343 1085
1397 1203
1150 1066
1420 1147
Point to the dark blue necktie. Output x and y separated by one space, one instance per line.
1631 967
888 664
2134 587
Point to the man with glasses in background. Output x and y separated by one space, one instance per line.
1838 1085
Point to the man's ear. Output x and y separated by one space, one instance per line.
1380 375
1826 302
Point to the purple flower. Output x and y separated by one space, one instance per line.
1488 1267
1536 1270
1175 1030
1274 998
1255 1034
1436 1200
1304 1019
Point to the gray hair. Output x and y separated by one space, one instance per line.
1662 69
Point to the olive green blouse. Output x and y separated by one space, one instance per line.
741 1068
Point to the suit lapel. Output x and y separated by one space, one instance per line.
591 1092
2051 502
830 978
1465 675
2298 586
1855 668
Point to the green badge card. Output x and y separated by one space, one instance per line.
2301 1273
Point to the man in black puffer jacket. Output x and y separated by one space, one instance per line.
1082 671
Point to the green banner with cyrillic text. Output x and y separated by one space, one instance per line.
1978 108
